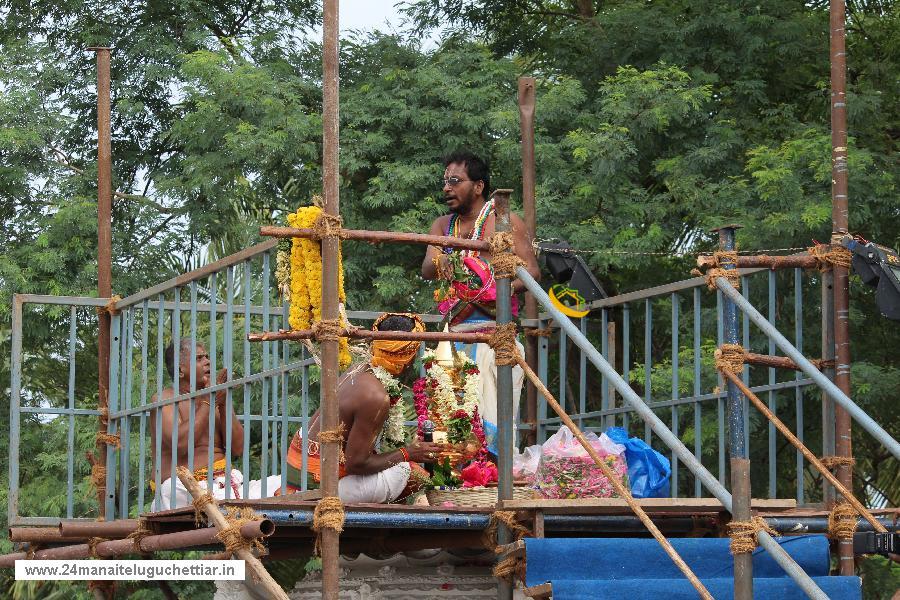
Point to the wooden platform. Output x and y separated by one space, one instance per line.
618 506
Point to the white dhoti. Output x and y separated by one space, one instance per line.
487 393
223 488
378 488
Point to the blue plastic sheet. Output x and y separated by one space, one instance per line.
643 558
649 471
775 588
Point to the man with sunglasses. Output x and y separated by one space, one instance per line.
466 182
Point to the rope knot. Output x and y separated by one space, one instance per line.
730 357
832 462
327 330
329 514
722 259
110 307
139 534
827 256
503 341
329 226
743 534
842 521
503 258
110 439
200 503
538 331
92 545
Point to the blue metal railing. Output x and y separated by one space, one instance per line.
270 384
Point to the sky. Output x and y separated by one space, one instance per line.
375 14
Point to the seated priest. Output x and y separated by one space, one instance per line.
228 485
377 465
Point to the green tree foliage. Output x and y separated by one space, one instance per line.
655 122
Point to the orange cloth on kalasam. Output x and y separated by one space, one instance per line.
393 355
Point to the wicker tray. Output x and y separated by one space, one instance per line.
481 496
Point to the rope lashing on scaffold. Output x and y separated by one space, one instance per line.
110 439
329 514
199 504
139 534
503 258
730 357
510 566
98 478
832 462
722 259
92 545
842 521
328 226
32 548
503 341
538 331
231 536
110 307
327 330
333 436
828 256
743 534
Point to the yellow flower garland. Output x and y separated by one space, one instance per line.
306 279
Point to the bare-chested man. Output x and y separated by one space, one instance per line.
466 182
223 485
368 475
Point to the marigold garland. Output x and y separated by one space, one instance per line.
306 278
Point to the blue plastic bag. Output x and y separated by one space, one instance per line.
648 470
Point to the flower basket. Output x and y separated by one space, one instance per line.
475 496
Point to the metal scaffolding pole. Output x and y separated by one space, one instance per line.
526 124
330 538
839 228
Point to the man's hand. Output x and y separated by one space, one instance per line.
424 451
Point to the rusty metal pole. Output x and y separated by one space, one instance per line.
828 494
840 227
737 449
526 124
104 249
330 538
504 390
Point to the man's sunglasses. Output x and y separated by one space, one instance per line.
452 181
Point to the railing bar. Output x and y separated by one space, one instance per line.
304 425
128 370
213 378
115 327
145 380
157 419
285 359
228 359
720 337
562 368
698 416
265 407
543 373
745 289
192 403
582 373
675 394
773 402
604 349
176 387
70 434
798 394
648 361
247 433
276 404
626 356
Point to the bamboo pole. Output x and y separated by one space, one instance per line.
330 418
621 490
793 261
526 126
365 235
366 334
216 517
812 458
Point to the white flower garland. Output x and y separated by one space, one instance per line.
443 396
393 433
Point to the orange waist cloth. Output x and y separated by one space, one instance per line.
313 460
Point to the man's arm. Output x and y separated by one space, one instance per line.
524 250
428 270
368 419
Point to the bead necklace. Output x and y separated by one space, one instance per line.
477 228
